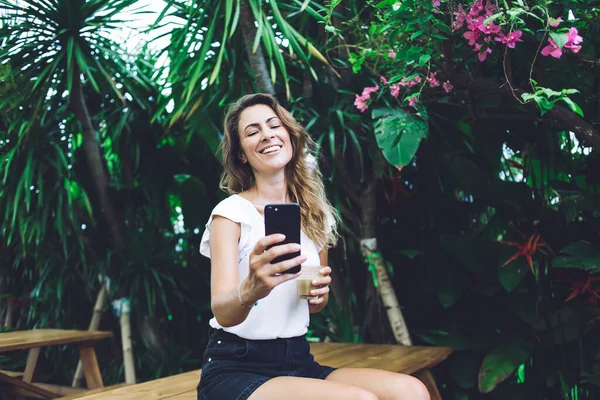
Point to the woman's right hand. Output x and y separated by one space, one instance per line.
263 275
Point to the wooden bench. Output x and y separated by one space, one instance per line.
404 359
34 341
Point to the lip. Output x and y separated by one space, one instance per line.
273 152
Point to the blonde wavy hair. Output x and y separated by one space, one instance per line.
305 184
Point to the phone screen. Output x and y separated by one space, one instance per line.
285 219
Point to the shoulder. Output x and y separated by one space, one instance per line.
233 207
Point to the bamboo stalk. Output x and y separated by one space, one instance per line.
10 311
94 324
394 313
128 361
386 292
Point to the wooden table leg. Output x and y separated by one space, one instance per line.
32 359
426 377
91 371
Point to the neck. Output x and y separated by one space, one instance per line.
270 189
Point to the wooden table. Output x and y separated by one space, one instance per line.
403 359
35 340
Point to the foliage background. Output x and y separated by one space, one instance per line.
445 185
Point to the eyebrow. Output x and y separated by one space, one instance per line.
256 124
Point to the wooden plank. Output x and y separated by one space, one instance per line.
89 363
191 395
162 388
30 387
83 392
342 356
32 359
12 374
403 359
23 340
318 349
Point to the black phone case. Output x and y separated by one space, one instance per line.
285 219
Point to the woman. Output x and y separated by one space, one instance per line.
257 347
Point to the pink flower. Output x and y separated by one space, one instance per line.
460 18
383 80
490 7
360 103
391 54
433 81
554 22
395 90
482 55
435 2
552 49
412 82
368 90
511 39
489 28
476 8
574 41
472 36
448 86
412 101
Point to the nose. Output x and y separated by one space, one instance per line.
267 135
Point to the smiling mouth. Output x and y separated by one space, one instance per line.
270 149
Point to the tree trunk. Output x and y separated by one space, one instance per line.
257 59
91 148
94 159
372 256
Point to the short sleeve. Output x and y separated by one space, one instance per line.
234 211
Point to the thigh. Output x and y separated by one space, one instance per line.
384 384
294 388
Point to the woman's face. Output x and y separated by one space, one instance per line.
264 140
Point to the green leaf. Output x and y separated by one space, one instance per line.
424 59
501 362
573 106
398 134
464 367
513 273
559 38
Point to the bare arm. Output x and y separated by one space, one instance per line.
224 274
262 275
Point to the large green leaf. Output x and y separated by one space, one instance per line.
398 134
474 252
579 255
501 362
513 273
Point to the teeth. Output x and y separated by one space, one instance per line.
270 149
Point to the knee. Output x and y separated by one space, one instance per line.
417 390
362 394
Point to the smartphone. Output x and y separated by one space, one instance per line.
285 219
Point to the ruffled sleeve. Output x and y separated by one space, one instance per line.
235 211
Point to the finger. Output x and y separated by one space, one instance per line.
283 266
279 279
315 302
267 241
322 281
281 250
325 271
320 292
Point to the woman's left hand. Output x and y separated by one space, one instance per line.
321 286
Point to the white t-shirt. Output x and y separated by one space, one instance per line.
282 314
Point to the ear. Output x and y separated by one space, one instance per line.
243 158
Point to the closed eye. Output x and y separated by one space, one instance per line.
252 133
